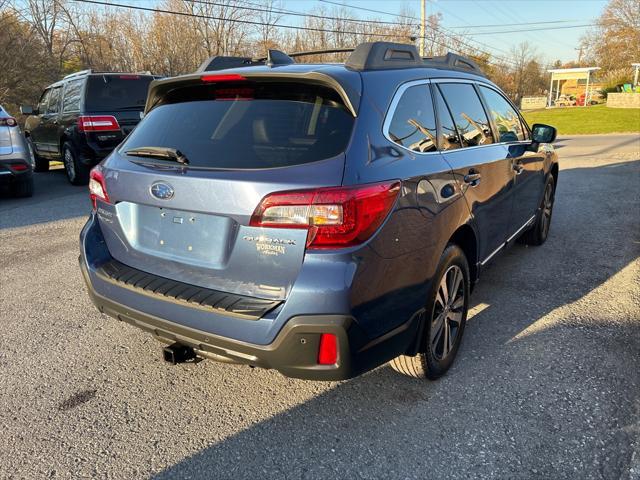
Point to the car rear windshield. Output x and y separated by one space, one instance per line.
108 93
247 125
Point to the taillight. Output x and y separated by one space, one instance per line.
97 187
230 77
19 167
335 217
97 123
8 122
328 349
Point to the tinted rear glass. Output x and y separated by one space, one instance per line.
245 126
107 93
413 124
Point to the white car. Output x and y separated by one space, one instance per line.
16 158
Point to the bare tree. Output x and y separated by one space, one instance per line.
268 31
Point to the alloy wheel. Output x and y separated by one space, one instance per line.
32 155
547 206
447 312
69 164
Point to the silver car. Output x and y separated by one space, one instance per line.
16 158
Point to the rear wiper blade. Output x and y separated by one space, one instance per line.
163 153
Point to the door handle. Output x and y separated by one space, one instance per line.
472 178
518 167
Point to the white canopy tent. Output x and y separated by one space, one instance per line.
562 74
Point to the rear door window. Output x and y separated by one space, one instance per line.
413 124
72 92
247 125
53 105
448 138
109 93
504 116
468 114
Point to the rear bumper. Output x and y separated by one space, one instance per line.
293 351
10 176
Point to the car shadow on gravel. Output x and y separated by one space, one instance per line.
54 199
546 384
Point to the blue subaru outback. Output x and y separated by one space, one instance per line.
318 219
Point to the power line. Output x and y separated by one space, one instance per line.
369 10
294 13
235 20
452 35
513 24
535 29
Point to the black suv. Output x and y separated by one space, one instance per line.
82 118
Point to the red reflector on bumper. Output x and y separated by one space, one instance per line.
328 350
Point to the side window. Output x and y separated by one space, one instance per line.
448 138
413 124
42 104
505 117
468 114
72 92
54 100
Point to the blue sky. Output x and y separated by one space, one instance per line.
551 44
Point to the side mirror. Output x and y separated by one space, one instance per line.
541 133
27 110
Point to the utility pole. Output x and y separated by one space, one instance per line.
423 21
579 50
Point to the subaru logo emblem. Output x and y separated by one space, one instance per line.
162 190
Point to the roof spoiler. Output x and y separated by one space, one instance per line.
365 57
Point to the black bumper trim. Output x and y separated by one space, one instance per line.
241 306
293 352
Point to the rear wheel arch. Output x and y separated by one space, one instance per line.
63 139
465 237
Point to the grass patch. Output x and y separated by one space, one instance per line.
596 119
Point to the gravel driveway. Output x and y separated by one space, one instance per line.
546 384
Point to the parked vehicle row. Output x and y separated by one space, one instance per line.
319 219
82 118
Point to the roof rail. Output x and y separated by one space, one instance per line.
366 56
451 61
320 52
77 74
383 56
90 71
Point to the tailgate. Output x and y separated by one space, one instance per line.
201 235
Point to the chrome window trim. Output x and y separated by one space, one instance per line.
403 87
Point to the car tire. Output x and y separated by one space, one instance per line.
24 187
442 316
38 163
539 232
77 172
